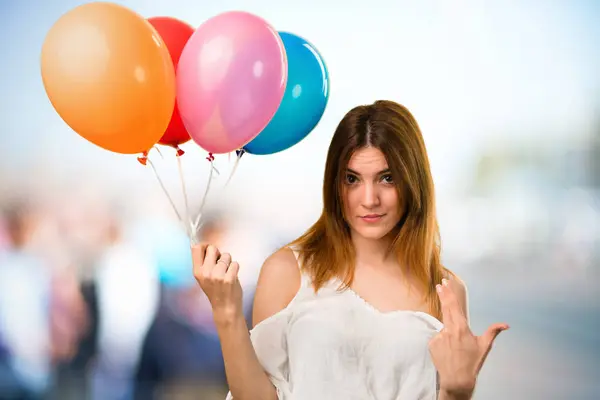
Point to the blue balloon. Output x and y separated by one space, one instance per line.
304 101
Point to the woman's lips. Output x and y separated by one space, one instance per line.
371 218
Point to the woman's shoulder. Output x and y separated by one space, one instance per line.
283 263
278 282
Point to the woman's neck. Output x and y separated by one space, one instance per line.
373 252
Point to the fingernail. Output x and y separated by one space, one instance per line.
445 282
438 287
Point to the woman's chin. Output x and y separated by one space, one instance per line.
372 232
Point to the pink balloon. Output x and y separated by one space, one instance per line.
231 79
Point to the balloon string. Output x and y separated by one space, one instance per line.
196 224
162 185
159 152
240 153
188 220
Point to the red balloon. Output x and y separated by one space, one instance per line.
175 34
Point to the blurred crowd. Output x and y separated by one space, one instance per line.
97 305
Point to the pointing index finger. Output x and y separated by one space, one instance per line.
451 305
446 314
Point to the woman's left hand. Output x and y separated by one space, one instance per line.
457 353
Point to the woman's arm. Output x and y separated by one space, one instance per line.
466 395
277 284
245 375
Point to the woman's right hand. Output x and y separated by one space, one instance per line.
217 275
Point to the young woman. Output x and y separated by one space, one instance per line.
359 307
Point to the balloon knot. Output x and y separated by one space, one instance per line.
210 157
239 153
143 159
179 151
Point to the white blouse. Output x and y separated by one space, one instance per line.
333 345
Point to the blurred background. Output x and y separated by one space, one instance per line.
97 300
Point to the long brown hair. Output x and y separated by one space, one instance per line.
326 250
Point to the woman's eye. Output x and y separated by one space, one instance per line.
387 178
350 179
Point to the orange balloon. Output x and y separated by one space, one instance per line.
109 76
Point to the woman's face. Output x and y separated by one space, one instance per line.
371 201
